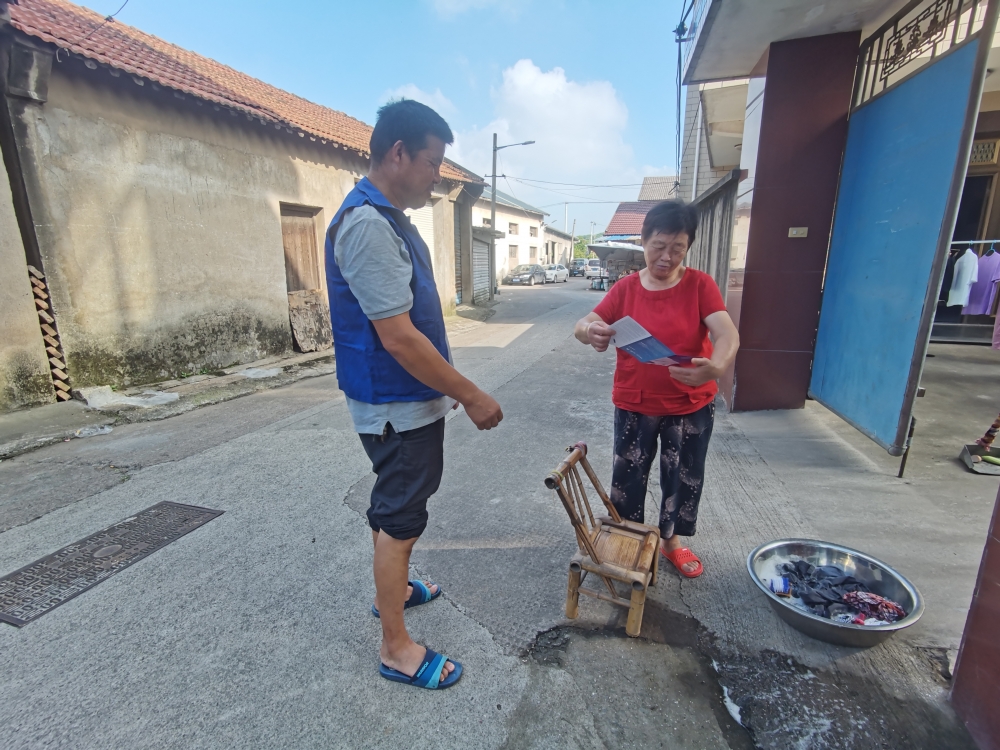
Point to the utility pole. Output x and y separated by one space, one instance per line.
493 225
572 245
592 225
493 216
565 217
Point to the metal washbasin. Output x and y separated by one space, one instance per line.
875 574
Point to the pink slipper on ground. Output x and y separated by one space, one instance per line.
683 556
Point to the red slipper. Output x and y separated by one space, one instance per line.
683 556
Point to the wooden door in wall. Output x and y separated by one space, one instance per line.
298 235
308 311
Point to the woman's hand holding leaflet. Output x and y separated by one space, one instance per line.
599 333
701 371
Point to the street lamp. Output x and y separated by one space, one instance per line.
493 214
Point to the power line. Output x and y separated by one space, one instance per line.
574 184
559 192
575 203
107 20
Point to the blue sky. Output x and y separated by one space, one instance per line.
591 82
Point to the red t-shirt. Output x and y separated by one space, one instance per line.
675 316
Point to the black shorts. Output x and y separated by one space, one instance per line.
409 466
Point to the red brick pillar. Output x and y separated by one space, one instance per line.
802 136
976 693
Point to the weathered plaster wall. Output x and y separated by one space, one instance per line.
24 369
443 251
159 224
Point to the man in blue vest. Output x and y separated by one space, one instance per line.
394 365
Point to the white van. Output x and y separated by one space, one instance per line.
593 269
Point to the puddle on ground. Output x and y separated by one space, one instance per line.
658 690
664 686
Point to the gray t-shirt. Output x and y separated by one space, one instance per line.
377 267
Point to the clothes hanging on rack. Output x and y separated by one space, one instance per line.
949 276
984 288
966 274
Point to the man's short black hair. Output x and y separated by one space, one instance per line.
671 217
407 121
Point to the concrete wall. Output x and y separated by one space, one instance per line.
158 222
443 251
24 369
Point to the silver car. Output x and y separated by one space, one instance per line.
556 273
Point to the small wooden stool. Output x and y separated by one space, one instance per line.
613 549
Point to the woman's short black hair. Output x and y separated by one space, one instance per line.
407 121
671 217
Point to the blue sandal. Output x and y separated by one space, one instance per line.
428 674
421 595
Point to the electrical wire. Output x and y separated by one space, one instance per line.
574 184
575 203
509 186
101 25
567 195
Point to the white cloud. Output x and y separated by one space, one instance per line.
579 134
435 100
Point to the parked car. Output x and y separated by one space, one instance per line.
594 269
578 267
529 274
556 273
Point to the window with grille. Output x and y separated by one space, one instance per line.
533 252
533 231
486 222
512 228
513 251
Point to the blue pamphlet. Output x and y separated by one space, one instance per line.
640 343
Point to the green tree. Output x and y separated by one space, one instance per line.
580 248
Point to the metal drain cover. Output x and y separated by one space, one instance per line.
30 592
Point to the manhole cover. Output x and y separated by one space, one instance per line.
30 592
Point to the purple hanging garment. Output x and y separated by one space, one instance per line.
981 294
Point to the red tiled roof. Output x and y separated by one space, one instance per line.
85 33
628 218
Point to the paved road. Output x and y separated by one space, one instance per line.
253 631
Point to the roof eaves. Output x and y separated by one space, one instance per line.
87 36
457 171
249 109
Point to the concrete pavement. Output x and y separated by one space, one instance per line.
253 631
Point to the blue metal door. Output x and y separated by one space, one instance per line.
905 160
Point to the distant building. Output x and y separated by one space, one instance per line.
626 224
558 246
520 225
658 188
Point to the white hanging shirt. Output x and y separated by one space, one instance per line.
966 274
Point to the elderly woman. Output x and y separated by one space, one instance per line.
682 308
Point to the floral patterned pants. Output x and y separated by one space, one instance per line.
683 446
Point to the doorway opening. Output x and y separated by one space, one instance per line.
308 309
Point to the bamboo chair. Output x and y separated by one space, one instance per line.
610 548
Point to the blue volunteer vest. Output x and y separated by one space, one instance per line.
365 370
